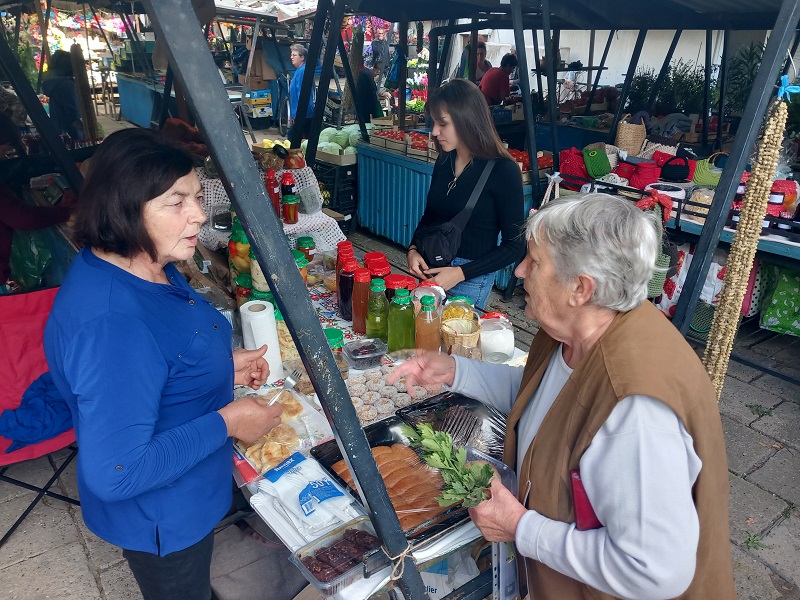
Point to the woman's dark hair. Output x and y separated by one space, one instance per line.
464 102
130 168
60 64
509 60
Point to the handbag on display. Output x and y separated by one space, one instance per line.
438 244
630 136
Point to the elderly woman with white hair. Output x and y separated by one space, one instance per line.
612 427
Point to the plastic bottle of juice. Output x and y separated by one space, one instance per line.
344 289
428 325
360 300
378 311
401 321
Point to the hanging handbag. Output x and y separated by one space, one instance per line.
438 244
393 77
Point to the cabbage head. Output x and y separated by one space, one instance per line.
325 134
340 137
350 150
355 137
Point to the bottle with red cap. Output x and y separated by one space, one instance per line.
393 283
343 255
344 289
376 256
273 190
361 281
288 185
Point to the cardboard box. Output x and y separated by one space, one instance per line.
337 159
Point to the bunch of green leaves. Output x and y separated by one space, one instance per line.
464 483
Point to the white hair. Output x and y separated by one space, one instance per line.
604 237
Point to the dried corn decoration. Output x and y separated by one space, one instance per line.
743 248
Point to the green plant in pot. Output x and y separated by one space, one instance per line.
639 93
742 71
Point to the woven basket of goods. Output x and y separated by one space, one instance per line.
464 331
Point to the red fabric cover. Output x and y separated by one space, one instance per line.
22 321
645 174
625 169
571 163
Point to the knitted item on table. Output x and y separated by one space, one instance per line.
657 199
644 175
625 169
596 161
571 163
612 152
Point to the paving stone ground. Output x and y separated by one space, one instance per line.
54 555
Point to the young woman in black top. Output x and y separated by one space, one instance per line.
467 139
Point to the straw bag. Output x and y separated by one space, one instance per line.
706 172
630 136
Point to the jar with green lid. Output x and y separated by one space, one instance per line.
307 246
459 307
290 206
377 311
401 322
302 262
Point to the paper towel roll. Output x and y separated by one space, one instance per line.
259 328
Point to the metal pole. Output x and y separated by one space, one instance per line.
760 96
314 50
525 84
433 60
707 90
246 84
102 31
17 24
600 70
537 61
336 16
723 67
348 74
401 92
472 55
446 51
626 87
551 81
165 96
44 22
89 56
592 36
197 73
45 127
662 74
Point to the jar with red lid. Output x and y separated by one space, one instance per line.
374 256
379 269
394 283
342 256
290 206
345 245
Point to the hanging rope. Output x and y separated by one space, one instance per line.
398 562
745 240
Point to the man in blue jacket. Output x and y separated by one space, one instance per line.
298 58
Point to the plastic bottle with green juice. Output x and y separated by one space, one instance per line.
401 322
378 311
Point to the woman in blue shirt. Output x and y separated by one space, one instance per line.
145 364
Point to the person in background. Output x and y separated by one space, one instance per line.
145 365
597 427
298 57
367 93
380 55
10 103
483 65
495 85
467 139
514 77
16 214
59 87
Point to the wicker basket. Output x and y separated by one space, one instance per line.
461 331
630 137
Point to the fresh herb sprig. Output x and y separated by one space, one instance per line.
464 483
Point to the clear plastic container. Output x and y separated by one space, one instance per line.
349 577
497 338
364 354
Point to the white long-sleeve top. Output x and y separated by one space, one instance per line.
638 473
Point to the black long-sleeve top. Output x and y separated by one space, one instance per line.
500 209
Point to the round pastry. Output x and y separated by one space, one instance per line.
367 414
373 375
370 397
357 402
402 400
420 392
387 369
356 379
375 385
388 391
400 386
357 389
384 406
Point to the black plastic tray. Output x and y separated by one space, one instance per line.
385 433
489 434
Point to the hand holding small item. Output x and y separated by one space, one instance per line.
426 368
498 517
248 419
446 277
416 264
250 368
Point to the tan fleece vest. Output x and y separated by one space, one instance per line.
641 353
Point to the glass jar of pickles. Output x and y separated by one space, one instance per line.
307 246
302 262
290 206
